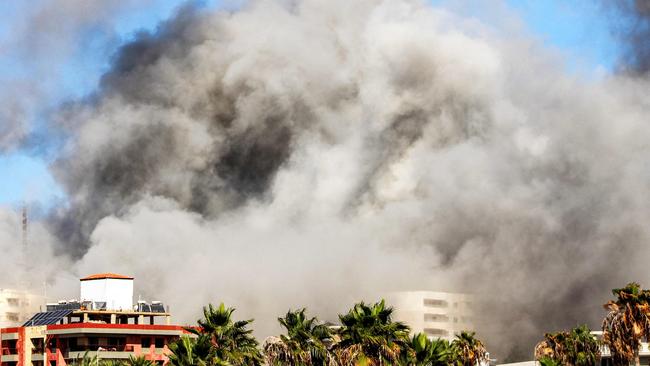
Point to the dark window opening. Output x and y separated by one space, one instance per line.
145 342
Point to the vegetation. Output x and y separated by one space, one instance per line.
218 340
139 361
468 350
305 344
423 351
367 337
627 323
576 347
88 360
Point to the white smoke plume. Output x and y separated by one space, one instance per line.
41 37
312 153
27 265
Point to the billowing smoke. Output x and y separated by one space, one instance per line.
312 153
634 29
27 265
37 46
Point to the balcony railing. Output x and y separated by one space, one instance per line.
101 347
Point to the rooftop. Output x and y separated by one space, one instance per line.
103 276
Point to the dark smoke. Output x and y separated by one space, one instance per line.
632 25
309 153
241 161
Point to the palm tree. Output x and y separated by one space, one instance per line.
577 347
547 361
139 361
423 351
468 350
112 363
86 360
627 323
304 345
231 341
188 351
369 336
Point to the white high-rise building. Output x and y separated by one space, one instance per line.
16 306
437 314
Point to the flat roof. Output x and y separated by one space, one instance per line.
94 328
78 312
104 276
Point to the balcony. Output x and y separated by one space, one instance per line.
77 355
9 351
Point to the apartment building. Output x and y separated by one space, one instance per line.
437 314
104 322
17 306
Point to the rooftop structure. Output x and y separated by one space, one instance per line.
437 314
107 291
100 323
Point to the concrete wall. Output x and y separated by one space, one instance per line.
117 293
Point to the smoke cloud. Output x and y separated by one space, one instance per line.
312 153
41 38
634 29
29 265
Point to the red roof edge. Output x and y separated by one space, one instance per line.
103 276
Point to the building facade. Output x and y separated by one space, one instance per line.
437 314
67 331
17 306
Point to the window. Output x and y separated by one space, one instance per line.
38 345
160 342
436 332
435 303
436 318
93 342
145 342
13 302
12 317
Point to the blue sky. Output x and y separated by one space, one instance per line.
577 28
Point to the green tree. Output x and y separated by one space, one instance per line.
576 347
547 361
112 363
423 351
188 351
218 340
86 360
304 345
369 336
468 350
139 361
231 340
627 323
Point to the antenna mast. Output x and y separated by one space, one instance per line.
25 260
24 228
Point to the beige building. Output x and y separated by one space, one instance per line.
17 306
437 314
